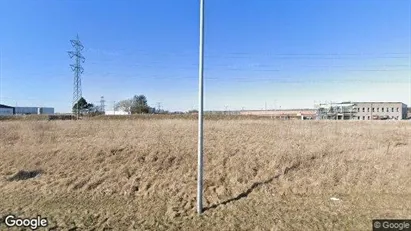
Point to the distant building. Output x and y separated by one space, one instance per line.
34 111
381 110
26 110
336 111
285 114
6 110
362 111
119 112
45 111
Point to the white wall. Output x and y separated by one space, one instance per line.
116 113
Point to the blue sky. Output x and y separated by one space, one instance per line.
279 53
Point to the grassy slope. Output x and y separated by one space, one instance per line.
259 174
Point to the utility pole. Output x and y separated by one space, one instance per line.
102 106
77 69
200 112
114 107
1 74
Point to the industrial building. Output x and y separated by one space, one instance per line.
34 110
336 111
8 110
381 110
362 111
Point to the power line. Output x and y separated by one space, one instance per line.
77 69
140 52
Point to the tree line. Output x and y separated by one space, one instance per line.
135 105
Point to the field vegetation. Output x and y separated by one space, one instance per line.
260 174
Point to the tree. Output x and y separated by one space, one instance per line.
124 105
139 105
82 106
136 105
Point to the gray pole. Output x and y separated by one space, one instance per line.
200 112
1 73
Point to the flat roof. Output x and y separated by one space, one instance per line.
269 110
5 106
379 102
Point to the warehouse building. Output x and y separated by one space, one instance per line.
34 110
8 110
380 110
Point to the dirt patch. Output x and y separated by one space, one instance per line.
25 175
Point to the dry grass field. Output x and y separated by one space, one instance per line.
259 174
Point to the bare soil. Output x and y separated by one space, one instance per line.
259 174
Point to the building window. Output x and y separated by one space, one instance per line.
368 109
388 110
398 109
359 118
368 117
392 109
382 109
378 109
373 109
363 109
363 118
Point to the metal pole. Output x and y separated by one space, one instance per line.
1 74
78 111
200 112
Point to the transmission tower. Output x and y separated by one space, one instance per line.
158 107
102 106
77 69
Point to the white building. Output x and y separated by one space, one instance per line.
119 112
362 111
381 110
